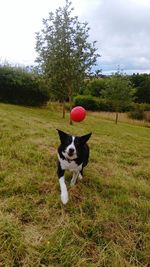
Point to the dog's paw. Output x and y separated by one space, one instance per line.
64 198
80 176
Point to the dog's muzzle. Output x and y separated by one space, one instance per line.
71 152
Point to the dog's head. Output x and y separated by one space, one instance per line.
72 145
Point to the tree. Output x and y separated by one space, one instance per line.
143 91
95 87
64 54
119 91
142 84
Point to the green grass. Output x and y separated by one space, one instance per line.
106 222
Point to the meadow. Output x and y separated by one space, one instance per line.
106 222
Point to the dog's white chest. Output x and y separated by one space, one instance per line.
71 166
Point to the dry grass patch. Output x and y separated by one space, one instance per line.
123 117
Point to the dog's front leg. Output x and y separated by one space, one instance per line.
74 178
63 187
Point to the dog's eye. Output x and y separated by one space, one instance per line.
67 142
77 144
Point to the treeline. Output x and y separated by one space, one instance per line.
22 86
140 82
117 93
28 87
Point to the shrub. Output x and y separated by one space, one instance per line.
145 106
18 86
96 104
88 102
137 112
104 105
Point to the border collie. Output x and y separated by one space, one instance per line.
73 154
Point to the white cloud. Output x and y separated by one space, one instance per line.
122 29
124 33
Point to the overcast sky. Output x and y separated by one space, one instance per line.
121 28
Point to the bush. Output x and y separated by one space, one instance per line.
93 103
145 106
18 86
137 112
88 102
96 104
105 105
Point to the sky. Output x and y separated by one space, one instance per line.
120 27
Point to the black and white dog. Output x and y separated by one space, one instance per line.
73 154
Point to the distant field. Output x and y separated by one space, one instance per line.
106 222
123 117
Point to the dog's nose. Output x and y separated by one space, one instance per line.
71 151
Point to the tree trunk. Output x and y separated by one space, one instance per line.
116 121
70 99
70 103
63 109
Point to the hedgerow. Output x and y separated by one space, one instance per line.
17 86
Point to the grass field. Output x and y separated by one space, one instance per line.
107 219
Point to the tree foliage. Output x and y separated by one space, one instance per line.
64 53
142 84
119 91
95 87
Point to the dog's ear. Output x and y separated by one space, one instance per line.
85 138
62 135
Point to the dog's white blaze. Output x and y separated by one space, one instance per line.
71 145
64 192
66 152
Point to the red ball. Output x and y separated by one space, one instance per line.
78 114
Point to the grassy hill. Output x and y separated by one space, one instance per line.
107 219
